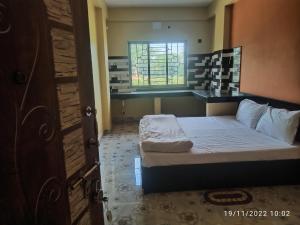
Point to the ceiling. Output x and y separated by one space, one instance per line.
157 3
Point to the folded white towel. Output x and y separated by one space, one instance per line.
162 133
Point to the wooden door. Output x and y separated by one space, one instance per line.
31 155
89 122
48 138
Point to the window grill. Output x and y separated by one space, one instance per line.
157 63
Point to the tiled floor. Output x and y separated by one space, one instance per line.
122 184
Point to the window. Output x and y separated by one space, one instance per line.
156 64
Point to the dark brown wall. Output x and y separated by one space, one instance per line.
269 32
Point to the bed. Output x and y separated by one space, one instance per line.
225 154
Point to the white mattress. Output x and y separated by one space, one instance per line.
222 139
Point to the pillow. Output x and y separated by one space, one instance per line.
249 112
280 124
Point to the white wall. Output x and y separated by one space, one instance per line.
98 37
135 24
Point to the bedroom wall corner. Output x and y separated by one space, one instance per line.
101 18
95 64
217 11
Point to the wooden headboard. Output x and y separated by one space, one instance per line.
278 104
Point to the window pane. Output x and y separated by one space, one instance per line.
139 64
158 64
176 60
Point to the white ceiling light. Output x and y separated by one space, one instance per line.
157 3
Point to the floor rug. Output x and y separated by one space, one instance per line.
228 197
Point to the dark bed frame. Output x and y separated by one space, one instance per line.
225 175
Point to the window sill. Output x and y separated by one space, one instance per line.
139 89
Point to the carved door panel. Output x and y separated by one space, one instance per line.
48 137
32 167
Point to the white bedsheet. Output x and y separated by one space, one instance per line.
222 139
